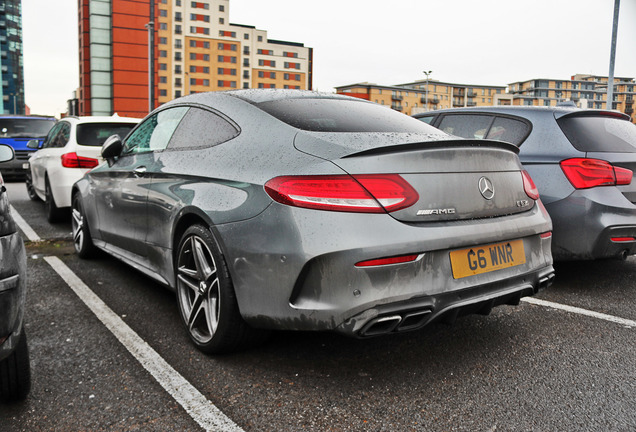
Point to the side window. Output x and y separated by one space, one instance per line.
427 119
201 128
50 137
466 125
63 136
509 130
155 132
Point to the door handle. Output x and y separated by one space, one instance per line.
140 171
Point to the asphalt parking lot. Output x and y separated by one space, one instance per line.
109 354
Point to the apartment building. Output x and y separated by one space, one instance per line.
196 49
12 89
586 91
419 96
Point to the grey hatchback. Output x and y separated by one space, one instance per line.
15 369
582 162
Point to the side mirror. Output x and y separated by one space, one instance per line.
6 153
112 148
33 144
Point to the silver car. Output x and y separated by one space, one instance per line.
582 162
275 209
15 366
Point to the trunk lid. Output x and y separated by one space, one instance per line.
456 179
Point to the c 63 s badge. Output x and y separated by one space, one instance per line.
441 211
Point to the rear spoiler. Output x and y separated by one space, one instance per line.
428 145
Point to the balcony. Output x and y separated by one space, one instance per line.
396 98
433 101
396 107
458 92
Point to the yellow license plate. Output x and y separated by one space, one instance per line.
483 259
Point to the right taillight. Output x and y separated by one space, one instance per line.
586 173
72 160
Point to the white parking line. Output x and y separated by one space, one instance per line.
579 311
24 226
196 405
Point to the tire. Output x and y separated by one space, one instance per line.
15 373
82 240
29 186
206 297
53 213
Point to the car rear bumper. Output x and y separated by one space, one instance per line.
593 224
12 292
304 277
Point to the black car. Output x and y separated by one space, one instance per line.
581 161
15 369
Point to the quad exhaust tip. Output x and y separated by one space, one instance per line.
390 323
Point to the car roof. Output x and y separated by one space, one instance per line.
100 119
27 116
524 111
256 96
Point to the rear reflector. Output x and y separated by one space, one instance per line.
546 235
588 173
622 239
387 261
361 193
72 160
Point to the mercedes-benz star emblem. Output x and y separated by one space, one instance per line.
486 188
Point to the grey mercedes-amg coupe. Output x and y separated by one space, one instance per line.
297 210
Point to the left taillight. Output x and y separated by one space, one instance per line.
528 186
586 173
373 193
72 160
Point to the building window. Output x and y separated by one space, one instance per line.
163 53
246 36
178 17
178 43
260 38
163 66
163 13
177 29
177 93
163 80
163 26
163 41
163 92
221 21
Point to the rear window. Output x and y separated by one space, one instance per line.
599 134
25 128
337 115
94 134
480 126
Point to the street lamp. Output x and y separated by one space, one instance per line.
427 73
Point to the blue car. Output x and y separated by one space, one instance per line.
16 131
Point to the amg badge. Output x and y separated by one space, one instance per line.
435 212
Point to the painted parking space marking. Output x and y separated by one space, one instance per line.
580 311
24 226
206 414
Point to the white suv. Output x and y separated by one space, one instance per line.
71 148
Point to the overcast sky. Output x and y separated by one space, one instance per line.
493 42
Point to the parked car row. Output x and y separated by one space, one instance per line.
296 210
